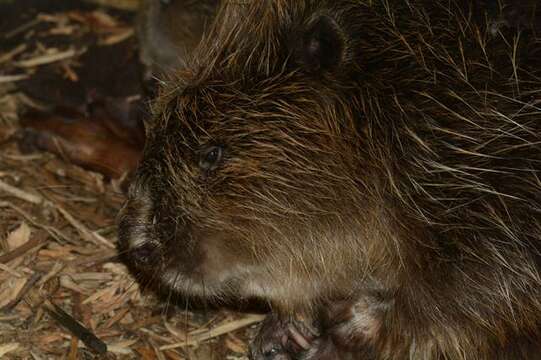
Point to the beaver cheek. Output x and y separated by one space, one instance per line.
216 260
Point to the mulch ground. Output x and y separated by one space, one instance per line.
63 294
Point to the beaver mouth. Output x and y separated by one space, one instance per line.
163 254
158 266
152 266
166 253
195 284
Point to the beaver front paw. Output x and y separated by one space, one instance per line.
282 339
349 331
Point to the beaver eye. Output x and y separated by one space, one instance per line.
210 158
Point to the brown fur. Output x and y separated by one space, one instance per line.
401 179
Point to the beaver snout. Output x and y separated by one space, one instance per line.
152 234
136 243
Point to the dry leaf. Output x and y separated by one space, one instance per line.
19 236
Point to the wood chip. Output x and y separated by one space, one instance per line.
235 345
66 282
146 353
117 37
217 331
21 194
7 269
19 236
12 53
117 317
36 199
74 346
10 289
12 78
83 230
49 58
27 286
34 242
22 28
121 347
7 348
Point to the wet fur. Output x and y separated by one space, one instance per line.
407 166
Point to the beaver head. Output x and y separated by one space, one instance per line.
312 148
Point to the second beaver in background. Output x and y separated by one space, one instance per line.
373 165
169 30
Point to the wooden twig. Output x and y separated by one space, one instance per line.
73 326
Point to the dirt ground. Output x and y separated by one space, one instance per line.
63 294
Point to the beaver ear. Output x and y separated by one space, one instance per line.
321 47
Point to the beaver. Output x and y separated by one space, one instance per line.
168 30
369 168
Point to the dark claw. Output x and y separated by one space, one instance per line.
281 339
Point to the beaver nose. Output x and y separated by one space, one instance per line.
135 227
145 255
